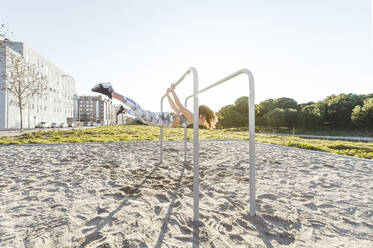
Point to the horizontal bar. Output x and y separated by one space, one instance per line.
181 79
242 71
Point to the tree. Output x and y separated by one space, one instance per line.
234 115
285 103
339 109
362 117
21 80
228 117
311 116
265 107
302 105
5 32
241 105
279 117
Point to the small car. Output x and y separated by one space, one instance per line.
42 125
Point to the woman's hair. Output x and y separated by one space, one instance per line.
209 115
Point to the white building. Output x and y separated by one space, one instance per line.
54 106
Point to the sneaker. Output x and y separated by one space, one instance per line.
120 110
103 88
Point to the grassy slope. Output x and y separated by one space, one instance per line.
141 132
319 132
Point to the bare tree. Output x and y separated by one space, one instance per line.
5 32
21 80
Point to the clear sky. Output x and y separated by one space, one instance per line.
301 49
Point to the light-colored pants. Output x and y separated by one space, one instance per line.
161 119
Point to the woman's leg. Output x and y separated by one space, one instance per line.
152 118
156 119
129 102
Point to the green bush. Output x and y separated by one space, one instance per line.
228 116
362 117
235 115
342 147
339 109
282 117
302 146
311 116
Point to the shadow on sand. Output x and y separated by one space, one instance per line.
95 234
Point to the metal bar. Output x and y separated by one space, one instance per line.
252 141
185 140
191 69
181 79
195 152
195 161
233 75
251 127
161 138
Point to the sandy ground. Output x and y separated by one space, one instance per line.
117 195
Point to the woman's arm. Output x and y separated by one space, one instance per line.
188 115
172 104
177 101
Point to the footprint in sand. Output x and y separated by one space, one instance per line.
162 198
268 209
311 206
268 196
130 190
243 224
101 210
157 210
219 225
236 238
224 206
117 196
326 206
95 221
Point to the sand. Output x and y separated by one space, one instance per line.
118 195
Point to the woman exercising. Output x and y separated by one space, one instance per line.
182 115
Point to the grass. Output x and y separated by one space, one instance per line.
142 132
319 132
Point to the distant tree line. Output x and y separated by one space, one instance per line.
344 111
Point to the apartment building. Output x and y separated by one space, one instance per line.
94 109
56 105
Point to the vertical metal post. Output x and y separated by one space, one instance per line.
7 108
185 138
252 142
185 144
195 162
161 157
